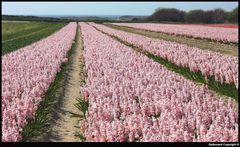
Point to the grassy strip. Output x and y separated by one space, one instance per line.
24 31
223 89
25 34
228 49
36 127
12 45
14 27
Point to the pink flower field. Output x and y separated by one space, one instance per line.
132 98
77 72
224 68
27 74
197 31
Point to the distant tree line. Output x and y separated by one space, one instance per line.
194 16
33 18
51 19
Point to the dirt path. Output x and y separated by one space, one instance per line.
63 125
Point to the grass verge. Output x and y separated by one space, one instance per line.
228 49
38 125
223 89
19 30
12 45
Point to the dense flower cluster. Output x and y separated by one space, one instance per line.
132 98
224 68
215 25
213 33
26 75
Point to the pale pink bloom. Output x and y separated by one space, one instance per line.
27 74
222 67
213 33
134 98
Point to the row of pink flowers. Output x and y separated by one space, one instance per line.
27 74
132 98
213 33
224 68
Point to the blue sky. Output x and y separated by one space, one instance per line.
105 8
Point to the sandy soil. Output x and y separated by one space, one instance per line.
63 125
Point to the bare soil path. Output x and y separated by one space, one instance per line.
62 127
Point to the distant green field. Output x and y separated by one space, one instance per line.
19 34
